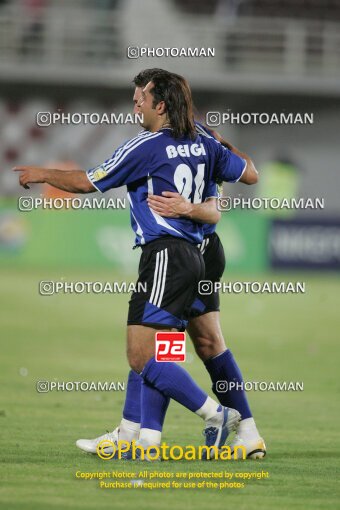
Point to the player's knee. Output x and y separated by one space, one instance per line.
136 366
208 346
135 363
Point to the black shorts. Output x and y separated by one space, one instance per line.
214 259
170 269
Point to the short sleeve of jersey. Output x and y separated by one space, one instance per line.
127 164
203 130
212 190
229 167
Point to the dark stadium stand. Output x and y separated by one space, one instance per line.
303 9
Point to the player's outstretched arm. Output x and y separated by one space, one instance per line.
74 181
250 175
174 205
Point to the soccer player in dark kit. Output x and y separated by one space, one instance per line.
169 156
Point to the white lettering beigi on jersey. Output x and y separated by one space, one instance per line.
185 150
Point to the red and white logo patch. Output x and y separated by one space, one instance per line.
170 346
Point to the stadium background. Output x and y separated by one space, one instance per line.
71 57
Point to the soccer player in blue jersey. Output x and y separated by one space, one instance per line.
204 324
169 156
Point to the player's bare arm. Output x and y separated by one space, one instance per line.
174 205
74 181
250 175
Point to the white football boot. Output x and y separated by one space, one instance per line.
247 436
255 448
90 445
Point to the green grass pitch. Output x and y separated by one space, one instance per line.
82 338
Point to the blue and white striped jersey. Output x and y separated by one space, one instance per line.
157 162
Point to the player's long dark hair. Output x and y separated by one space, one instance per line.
175 91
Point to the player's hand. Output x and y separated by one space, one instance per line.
30 174
170 205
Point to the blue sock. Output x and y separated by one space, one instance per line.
175 383
224 368
154 406
132 409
